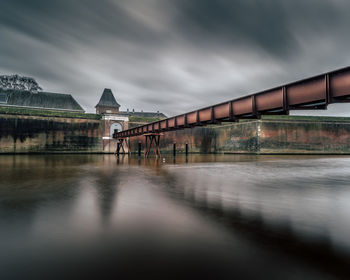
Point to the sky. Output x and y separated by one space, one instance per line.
172 55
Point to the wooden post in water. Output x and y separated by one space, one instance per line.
118 147
139 149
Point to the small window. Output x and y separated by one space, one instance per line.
3 97
108 111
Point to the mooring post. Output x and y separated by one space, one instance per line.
129 146
146 145
139 149
186 150
118 147
174 151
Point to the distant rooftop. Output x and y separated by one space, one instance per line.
107 99
144 114
42 100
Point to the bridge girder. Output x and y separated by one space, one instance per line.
313 93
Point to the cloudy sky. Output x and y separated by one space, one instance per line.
172 55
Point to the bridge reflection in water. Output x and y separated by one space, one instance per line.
254 217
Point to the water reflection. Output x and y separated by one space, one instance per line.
202 216
107 183
259 217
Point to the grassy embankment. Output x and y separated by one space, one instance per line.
47 113
306 118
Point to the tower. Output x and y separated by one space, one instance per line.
113 120
107 103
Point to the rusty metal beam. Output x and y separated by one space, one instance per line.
313 93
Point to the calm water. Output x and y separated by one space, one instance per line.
213 217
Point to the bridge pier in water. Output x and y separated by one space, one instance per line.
152 141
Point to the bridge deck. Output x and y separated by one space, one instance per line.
308 94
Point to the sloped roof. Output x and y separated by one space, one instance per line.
107 99
45 100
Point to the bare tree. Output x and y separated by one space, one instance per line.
19 82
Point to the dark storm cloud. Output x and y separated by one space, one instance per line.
267 24
171 56
86 21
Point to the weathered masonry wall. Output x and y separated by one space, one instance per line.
288 135
323 137
237 138
40 134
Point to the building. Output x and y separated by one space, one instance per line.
115 120
38 100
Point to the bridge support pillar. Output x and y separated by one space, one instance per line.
152 141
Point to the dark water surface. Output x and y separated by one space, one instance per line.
213 217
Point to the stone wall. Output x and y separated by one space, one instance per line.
305 137
288 135
40 134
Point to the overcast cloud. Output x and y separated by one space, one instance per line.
172 55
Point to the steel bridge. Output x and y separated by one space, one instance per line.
314 93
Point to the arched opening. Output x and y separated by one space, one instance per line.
114 126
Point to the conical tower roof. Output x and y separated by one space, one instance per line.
107 99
